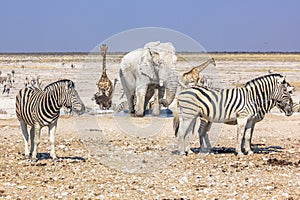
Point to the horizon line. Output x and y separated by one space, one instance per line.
121 52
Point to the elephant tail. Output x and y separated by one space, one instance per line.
176 119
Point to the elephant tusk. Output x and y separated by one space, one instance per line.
183 85
161 83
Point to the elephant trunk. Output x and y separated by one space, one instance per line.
171 88
170 95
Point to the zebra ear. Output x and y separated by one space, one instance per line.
281 80
290 89
70 85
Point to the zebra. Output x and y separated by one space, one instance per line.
243 106
38 108
7 85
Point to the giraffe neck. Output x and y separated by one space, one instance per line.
104 62
204 65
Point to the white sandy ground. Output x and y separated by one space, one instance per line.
102 158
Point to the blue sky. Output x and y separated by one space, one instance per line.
79 26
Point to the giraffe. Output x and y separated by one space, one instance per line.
105 85
104 102
193 76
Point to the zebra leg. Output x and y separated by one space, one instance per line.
207 142
248 138
25 136
203 136
241 122
31 139
37 135
185 128
52 129
202 133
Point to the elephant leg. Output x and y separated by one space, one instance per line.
149 94
158 100
156 105
140 101
131 100
129 90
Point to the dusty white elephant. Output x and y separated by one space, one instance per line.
146 71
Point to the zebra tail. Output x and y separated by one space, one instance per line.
176 119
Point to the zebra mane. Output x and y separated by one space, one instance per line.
59 82
262 77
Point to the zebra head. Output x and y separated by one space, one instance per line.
283 96
72 100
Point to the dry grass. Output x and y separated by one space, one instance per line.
279 57
295 84
28 66
277 70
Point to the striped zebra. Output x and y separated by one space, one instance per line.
243 106
38 108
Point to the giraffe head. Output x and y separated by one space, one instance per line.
103 49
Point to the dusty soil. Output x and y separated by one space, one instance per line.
103 157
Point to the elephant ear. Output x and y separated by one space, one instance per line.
148 71
148 63
155 57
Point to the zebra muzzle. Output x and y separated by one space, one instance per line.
69 109
79 109
288 111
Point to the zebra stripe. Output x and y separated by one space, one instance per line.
38 108
243 106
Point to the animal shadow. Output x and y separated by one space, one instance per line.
214 150
257 149
261 149
46 156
